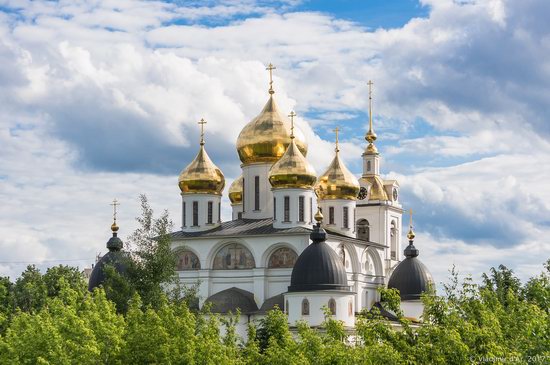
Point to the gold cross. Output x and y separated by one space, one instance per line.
270 68
202 123
336 130
292 115
115 203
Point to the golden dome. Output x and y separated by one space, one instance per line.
236 190
267 137
337 182
292 170
376 191
201 176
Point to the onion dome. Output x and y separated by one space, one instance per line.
201 176
292 170
377 191
231 300
411 277
114 258
318 267
337 182
267 137
236 190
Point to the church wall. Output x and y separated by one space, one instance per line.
202 201
266 196
310 207
318 299
338 224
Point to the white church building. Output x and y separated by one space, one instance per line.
276 250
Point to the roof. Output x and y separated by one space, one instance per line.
318 267
112 258
270 303
229 300
412 278
261 227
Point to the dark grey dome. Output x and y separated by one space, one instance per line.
229 300
411 277
271 303
318 267
115 258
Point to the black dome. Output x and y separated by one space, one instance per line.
115 258
318 267
229 300
411 277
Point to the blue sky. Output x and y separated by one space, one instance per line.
100 100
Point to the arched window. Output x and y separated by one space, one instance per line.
393 237
286 308
350 308
187 260
342 254
305 307
233 256
363 229
368 166
281 258
332 306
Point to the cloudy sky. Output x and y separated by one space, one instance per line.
100 99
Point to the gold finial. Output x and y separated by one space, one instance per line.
411 234
371 136
270 68
292 115
318 216
114 226
337 148
202 122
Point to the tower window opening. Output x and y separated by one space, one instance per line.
346 217
330 215
256 193
195 214
287 209
240 215
219 212
210 209
244 195
274 208
368 166
301 209
184 213
311 210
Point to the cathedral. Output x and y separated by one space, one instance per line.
298 240
304 242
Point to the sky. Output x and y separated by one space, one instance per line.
100 99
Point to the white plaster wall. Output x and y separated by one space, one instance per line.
375 164
310 207
338 225
266 196
235 210
317 300
412 308
203 200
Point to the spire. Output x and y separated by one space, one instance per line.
114 226
337 147
202 122
292 115
371 136
270 68
410 250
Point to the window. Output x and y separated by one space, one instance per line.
219 212
363 230
393 236
346 217
184 220
368 166
233 256
287 209
256 193
350 308
283 257
195 214
244 195
301 209
332 306
210 208
240 215
305 307
311 210
286 308
274 208
330 215
187 260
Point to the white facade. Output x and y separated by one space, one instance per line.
339 215
412 309
236 211
293 207
308 306
200 212
257 195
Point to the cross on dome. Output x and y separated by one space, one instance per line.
270 68
292 115
202 122
336 130
114 226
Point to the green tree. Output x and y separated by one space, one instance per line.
30 291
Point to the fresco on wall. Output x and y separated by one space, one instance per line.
187 260
233 256
283 257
